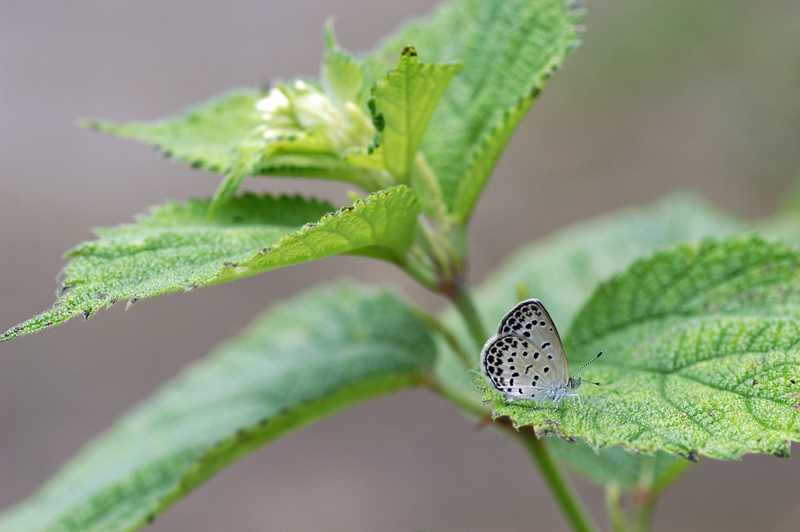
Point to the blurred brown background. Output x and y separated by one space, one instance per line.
662 95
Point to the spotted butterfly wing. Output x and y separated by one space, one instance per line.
525 359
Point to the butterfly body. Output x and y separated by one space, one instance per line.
526 359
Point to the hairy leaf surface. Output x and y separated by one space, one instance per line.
176 247
202 136
563 270
701 355
509 50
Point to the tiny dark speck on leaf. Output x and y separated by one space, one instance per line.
410 51
86 314
692 456
151 518
167 154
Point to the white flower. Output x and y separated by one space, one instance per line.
292 112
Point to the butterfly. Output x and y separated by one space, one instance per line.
526 359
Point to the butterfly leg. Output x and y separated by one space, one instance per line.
542 401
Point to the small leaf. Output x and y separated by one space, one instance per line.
243 135
509 49
305 156
203 136
406 98
343 76
295 364
701 355
177 248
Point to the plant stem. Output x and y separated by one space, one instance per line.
431 321
562 490
617 521
462 299
644 500
423 274
564 493
644 512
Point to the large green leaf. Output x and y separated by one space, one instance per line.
177 248
563 270
405 99
203 136
297 363
509 49
701 355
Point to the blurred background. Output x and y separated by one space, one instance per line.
663 95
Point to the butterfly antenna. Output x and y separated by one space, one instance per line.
592 360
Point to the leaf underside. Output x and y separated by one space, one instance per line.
177 247
700 356
297 363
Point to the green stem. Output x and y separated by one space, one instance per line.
643 515
468 360
565 495
562 490
462 299
644 499
421 272
430 183
617 521
673 473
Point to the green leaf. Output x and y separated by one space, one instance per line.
614 465
203 136
303 155
509 49
177 248
701 355
343 76
299 362
227 134
405 98
563 270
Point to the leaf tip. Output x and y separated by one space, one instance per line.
89 123
409 51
